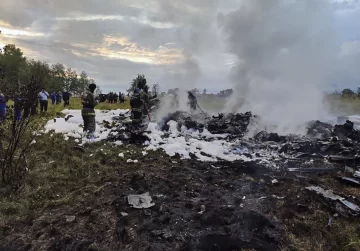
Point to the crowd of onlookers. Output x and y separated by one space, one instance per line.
24 111
113 97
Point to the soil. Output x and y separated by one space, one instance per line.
198 206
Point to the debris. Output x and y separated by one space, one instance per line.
124 214
330 195
121 155
202 209
357 174
70 219
166 234
140 201
338 158
132 161
350 181
349 170
315 170
274 181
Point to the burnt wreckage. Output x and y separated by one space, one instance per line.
339 143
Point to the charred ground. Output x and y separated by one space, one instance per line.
76 198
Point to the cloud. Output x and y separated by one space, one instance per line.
177 43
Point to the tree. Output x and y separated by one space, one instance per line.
71 80
83 82
204 92
58 78
347 92
138 82
97 91
12 67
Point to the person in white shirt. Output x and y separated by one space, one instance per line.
43 95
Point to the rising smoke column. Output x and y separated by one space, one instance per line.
286 50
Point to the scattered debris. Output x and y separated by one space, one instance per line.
70 219
350 181
132 161
140 201
315 170
202 209
121 155
330 195
274 181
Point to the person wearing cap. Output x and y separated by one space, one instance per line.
88 111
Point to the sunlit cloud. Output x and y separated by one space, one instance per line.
130 51
140 20
8 32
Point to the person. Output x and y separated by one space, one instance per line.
43 100
66 98
52 95
137 107
58 97
192 100
88 113
2 107
17 107
144 95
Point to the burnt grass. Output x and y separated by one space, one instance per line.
75 199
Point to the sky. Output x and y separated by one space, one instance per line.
177 43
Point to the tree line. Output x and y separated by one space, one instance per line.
16 71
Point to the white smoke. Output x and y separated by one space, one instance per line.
286 52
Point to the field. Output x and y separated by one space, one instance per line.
74 199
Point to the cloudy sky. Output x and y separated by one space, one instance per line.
173 42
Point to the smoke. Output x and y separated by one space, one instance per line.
286 51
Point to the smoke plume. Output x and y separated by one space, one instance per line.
286 50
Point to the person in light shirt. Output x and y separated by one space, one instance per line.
43 95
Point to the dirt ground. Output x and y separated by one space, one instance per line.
198 206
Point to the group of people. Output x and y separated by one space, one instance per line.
24 111
192 100
113 98
57 97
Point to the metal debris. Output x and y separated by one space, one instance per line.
351 181
315 170
140 201
330 195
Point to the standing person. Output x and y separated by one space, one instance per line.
88 113
52 95
137 107
2 107
66 98
144 95
17 107
192 101
43 95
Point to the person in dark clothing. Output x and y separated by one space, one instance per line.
53 97
192 101
58 98
88 111
43 95
66 98
2 107
137 107
17 107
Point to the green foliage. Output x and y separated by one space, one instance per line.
14 68
138 82
347 91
